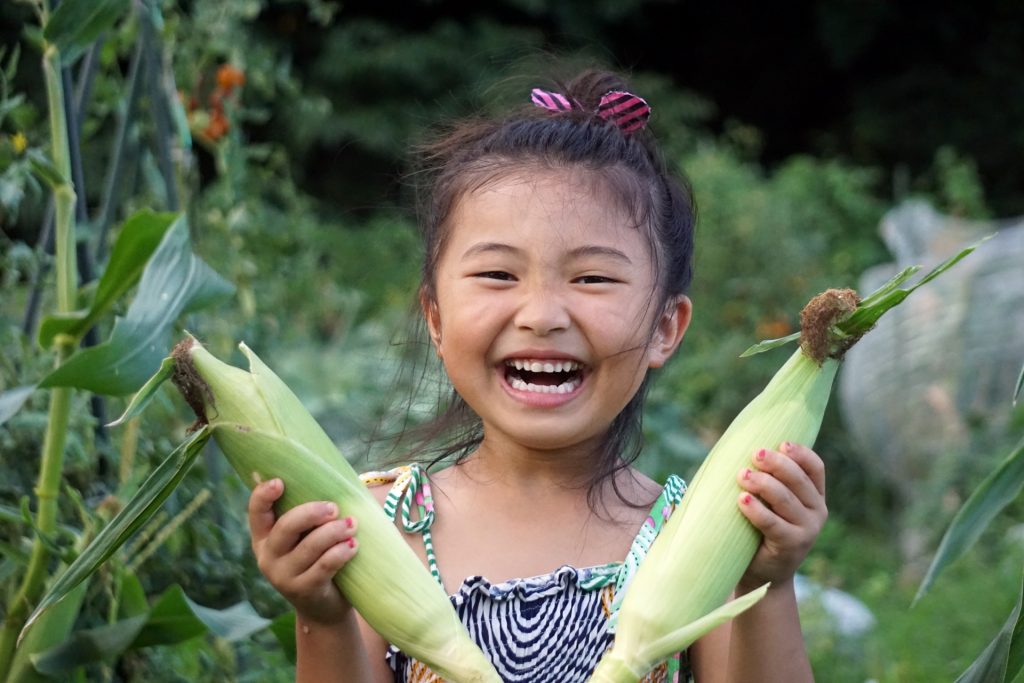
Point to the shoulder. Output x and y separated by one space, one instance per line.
637 487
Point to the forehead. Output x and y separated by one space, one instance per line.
553 206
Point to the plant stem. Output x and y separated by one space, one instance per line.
48 485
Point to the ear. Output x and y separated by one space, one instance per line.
433 318
669 331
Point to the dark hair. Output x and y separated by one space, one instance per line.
473 152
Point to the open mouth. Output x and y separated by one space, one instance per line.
544 376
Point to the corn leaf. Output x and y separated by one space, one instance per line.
769 344
135 513
75 24
12 400
143 396
997 491
1003 660
138 239
174 618
175 281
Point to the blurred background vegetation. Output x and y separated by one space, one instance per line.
798 124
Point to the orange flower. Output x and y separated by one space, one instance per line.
229 77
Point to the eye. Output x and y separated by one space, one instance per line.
496 275
594 280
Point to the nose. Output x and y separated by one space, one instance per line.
542 310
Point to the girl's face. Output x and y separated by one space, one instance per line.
544 313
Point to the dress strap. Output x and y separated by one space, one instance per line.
662 509
410 487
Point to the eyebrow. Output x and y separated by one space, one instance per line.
490 247
578 252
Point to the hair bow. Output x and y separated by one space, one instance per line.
627 111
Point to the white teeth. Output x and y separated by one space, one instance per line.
543 366
563 388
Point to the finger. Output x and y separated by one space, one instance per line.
771 525
775 494
809 461
296 523
788 471
329 562
317 542
261 508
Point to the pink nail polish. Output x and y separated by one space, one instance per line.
761 454
746 473
747 498
348 522
352 543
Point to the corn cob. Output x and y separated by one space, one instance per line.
265 432
678 591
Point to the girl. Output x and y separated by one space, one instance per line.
558 252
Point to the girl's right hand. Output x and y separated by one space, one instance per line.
301 552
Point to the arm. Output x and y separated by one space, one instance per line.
299 554
785 499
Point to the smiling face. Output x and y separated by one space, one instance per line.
544 308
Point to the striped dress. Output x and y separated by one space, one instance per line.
544 629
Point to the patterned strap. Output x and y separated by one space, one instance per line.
410 486
670 497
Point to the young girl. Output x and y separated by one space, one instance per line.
558 253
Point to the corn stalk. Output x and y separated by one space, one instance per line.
52 459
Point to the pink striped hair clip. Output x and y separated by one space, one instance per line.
627 111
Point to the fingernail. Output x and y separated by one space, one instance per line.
348 522
330 509
760 454
352 543
786 446
275 483
746 473
747 498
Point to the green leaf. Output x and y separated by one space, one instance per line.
890 286
174 618
44 169
174 281
12 400
997 491
888 295
52 628
769 344
135 513
143 396
283 628
1002 659
138 239
75 24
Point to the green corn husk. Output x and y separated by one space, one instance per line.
678 592
265 432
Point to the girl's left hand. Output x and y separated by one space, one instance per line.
784 497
